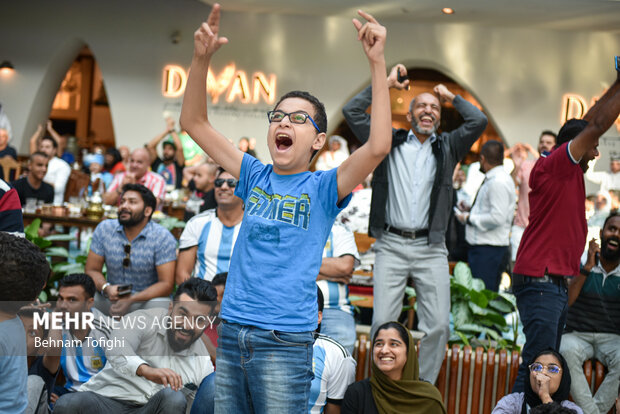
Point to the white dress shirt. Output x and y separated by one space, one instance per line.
493 210
412 167
118 379
58 172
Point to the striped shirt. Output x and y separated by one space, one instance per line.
80 362
150 180
11 220
334 371
340 242
597 308
215 243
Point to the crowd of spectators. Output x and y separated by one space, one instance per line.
514 207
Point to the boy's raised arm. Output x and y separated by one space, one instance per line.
363 161
194 118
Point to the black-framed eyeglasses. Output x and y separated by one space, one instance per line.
232 183
127 260
297 117
551 369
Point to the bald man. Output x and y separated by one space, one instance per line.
138 173
410 209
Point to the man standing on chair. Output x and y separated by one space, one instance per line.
410 209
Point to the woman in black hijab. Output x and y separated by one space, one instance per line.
549 382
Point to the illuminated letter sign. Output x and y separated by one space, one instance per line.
175 80
573 106
231 82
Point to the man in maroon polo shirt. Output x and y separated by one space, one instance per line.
552 243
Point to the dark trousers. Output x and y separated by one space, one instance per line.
542 308
486 263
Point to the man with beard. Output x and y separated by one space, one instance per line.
171 165
203 192
593 322
554 239
138 173
58 171
139 255
410 210
156 367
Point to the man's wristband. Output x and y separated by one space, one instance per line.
584 272
105 285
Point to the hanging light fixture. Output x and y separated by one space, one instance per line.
6 67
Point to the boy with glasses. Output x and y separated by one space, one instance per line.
139 255
269 308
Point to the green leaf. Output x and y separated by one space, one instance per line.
500 305
461 314
510 298
57 252
43 295
32 230
68 268
410 292
478 285
80 259
493 319
463 337
462 275
472 327
60 237
478 298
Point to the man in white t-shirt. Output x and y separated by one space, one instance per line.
207 242
58 171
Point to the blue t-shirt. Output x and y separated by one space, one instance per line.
13 367
277 257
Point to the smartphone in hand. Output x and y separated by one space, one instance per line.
124 290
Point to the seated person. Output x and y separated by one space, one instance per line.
113 161
11 218
79 362
394 386
334 371
171 165
549 381
137 173
593 322
339 259
41 377
156 369
99 179
32 185
207 242
5 149
139 255
24 271
201 185
58 171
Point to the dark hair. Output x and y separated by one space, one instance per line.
552 408
549 132
38 154
402 332
24 270
79 279
54 143
147 195
570 130
220 279
198 289
116 154
493 152
612 214
320 117
531 398
219 171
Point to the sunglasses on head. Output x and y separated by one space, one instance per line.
127 260
232 183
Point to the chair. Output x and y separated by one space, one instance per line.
77 184
9 164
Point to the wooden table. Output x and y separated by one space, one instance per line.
66 221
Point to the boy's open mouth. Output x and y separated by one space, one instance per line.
283 142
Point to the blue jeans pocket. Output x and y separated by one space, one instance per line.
292 338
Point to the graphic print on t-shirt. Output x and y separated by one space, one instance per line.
285 209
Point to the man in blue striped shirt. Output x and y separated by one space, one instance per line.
207 242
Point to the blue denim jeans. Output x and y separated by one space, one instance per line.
262 371
205 396
542 308
339 325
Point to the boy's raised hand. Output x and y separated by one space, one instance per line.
372 36
206 39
